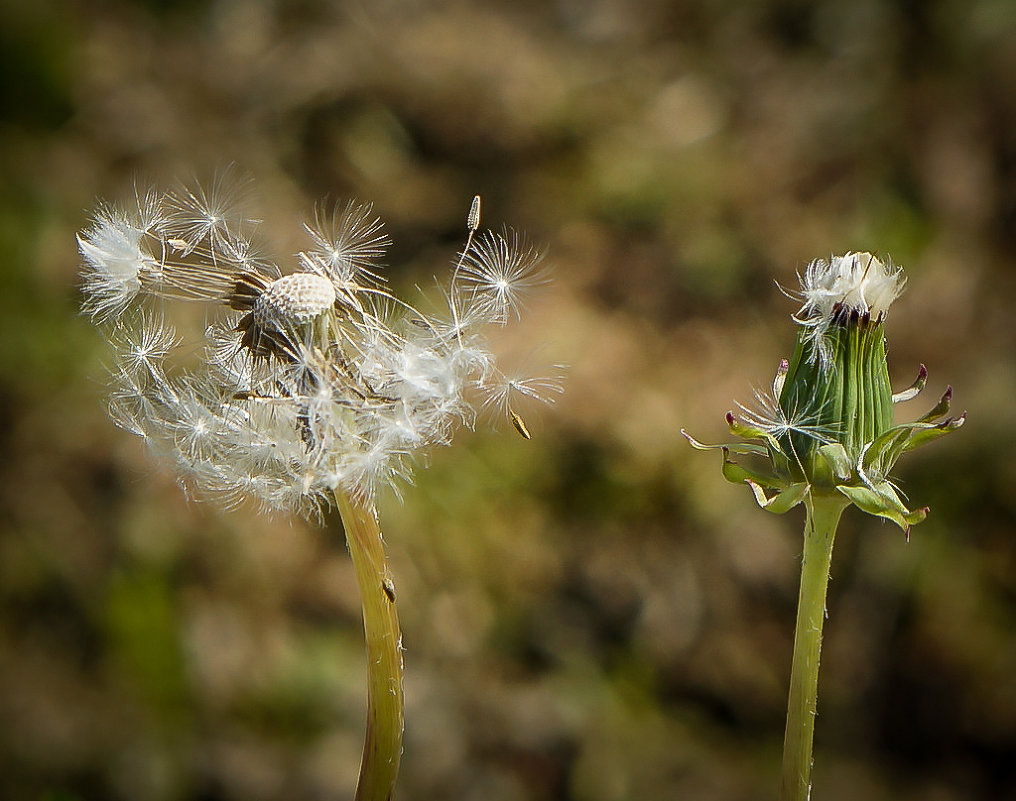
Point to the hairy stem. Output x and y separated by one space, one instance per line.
382 747
819 531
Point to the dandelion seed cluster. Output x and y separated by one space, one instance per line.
855 283
307 382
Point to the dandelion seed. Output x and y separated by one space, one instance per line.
801 420
142 345
214 213
349 243
117 261
503 392
500 270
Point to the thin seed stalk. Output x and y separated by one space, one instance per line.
382 747
823 515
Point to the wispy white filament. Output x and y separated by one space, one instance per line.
855 283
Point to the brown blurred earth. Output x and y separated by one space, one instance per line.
594 615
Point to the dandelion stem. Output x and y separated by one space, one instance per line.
823 515
382 747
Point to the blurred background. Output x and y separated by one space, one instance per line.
594 615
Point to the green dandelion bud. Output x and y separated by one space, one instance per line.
827 427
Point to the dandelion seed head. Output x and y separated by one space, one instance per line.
307 382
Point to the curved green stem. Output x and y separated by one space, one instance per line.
382 747
819 531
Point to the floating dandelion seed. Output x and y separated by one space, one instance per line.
504 392
500 270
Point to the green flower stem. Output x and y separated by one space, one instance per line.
382 747
823 515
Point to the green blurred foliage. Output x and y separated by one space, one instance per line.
593 615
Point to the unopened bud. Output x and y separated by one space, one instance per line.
827 429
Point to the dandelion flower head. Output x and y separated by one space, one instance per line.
305 382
